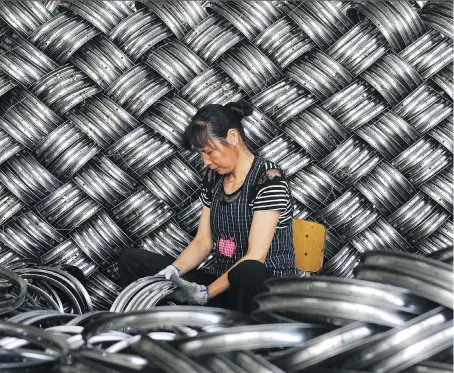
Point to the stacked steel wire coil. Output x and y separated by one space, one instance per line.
352 99
378 321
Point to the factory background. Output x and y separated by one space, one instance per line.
352 99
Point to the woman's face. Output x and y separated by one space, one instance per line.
219 157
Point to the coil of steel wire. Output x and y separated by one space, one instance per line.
367 323
353 100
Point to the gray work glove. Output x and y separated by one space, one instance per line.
189 292
169 271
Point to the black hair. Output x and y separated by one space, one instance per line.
213 121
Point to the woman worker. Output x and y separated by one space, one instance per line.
246 216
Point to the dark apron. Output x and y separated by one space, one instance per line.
230 225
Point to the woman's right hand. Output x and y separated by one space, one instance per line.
169 271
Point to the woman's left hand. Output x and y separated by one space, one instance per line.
189 292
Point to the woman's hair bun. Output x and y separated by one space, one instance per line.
240 108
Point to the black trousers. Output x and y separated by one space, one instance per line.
246 279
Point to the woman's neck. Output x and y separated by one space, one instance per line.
245 160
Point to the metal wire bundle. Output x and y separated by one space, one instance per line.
300 324
352 99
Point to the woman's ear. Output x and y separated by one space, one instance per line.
233 137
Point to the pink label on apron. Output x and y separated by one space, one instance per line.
227 247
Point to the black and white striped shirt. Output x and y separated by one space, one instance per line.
273 193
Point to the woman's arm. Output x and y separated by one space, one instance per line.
261 235
199 248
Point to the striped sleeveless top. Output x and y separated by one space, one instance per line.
265 188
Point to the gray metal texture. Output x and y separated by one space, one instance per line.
300 323
352 99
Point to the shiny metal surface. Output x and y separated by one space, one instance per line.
316 131
142 294
153 212
249 338
97 52
350 161
70 286
355 106
328 19
284 42
249 67
350 289
393 84
349 214
103 181
341 264
170 119
23 61
365 36
129 152
62 35
315 188
91 119
320 348
68 253
174 182
444 255
9 204
432 367
424 151
394 341
169 239
65 150
442 132
25 19
102 290
429 103
191 316
386 188
254 363
330 309
287 153
26 178
438 15
420 210
320 64
380 236
67 207
438 189
416 286
435 47
428 270
99 14
440 239
400 24
376 134
137 89
29 236
62 97
353 100
9 301
166 357
435 340
444 81
138 32
259 130
29 120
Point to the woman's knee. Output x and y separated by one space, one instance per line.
127 257
143 261
250 272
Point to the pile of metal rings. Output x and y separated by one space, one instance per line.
394 315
